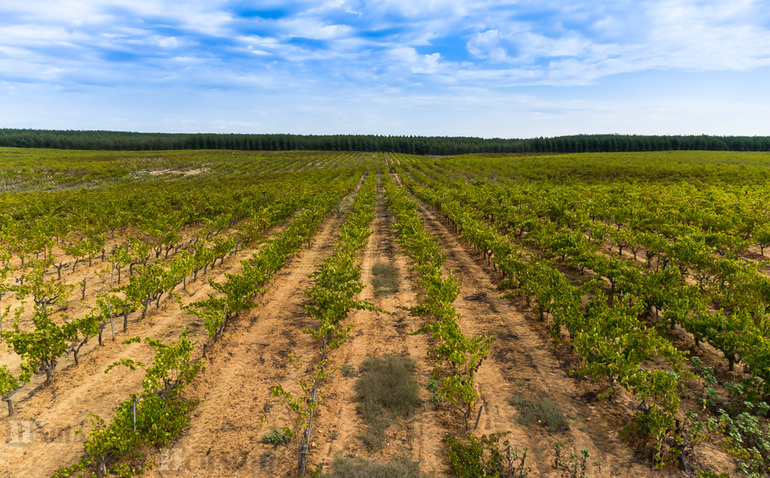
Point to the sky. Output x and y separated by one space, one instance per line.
508 69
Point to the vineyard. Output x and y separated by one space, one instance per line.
345 314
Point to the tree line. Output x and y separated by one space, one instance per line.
421 145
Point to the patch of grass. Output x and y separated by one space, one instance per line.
386 390
472 457
400 467
542 411
347 370
433 387
385 280
278 436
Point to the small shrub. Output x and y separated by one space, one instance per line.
385 390
401 467
433 387
385 280
278 436
578 464
542 411
347 370
484 457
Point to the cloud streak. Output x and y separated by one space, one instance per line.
434 47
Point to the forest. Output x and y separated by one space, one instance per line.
421 145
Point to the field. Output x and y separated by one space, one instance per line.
341 314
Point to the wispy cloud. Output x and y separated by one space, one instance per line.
432 47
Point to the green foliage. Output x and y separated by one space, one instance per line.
747 437
542 411
576 465
39 350
485 457
238 291
130 363
153 417
278 436
113 140
8 385
385 279
336 283
339 278
457 357
523 228
711 474
400 467
43 292
385 391
80 331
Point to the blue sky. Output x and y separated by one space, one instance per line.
512 68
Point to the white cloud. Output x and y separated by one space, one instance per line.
39 35
312 29
203 16
168 42
410 8
486 45
416 62
484 49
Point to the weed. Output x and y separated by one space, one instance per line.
347 370
433 387
485 457
542 411
385 280
278 436
401 467
385 390
710 399
706 372
746 436
577 465
710 474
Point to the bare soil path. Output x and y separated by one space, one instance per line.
522 361
379 335
41 435
263 348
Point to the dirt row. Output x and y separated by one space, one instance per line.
224 438
261 349
683 340
266 347
49 423
523 362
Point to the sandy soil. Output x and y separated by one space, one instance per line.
41 435
524 362
225 432
379 335
266 347
252 356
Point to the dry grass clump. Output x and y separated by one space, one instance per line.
385 391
